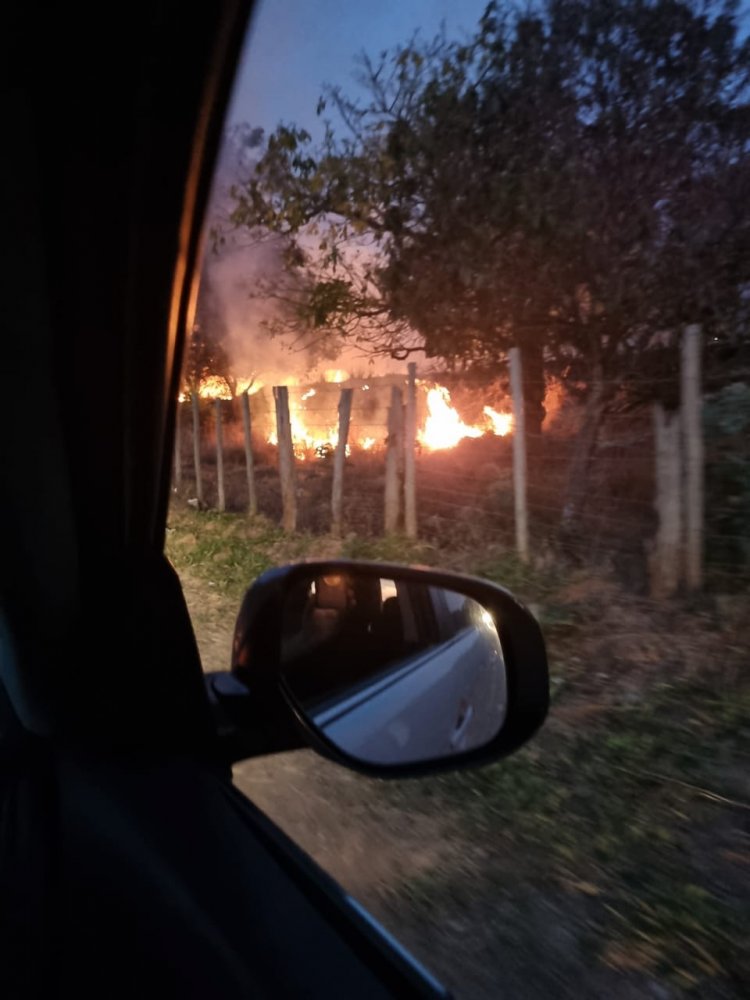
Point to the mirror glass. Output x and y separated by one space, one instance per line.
393 671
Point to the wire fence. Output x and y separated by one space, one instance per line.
466 492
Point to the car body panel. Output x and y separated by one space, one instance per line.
431 705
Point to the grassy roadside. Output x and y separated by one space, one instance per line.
636 822
613 852
230 551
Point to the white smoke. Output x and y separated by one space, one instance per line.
239 274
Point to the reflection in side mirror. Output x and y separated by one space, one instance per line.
392 670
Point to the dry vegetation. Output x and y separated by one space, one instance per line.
610 857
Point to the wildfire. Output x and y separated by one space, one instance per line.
304 441
217 387
214 387
502 423
249 385
444 428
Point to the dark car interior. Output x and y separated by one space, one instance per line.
346 634
129 864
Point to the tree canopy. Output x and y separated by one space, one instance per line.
573 180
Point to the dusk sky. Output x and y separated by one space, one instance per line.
296 46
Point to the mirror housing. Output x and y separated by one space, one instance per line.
279 715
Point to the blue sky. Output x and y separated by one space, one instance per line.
296 46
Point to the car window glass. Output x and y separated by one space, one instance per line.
559 191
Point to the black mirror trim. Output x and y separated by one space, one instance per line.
523 649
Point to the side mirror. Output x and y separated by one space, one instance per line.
393 669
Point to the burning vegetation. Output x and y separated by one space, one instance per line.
314 421
444 428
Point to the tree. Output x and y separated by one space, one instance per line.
205 355
567 182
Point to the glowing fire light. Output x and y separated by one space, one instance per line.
304 441
214 387
502 423
217 387
444 428
249 386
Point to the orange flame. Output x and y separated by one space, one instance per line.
214 387
304 442
249 385
217 387
502 423
444 428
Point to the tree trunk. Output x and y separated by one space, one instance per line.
392 461
178 448
410 447
285 449
196 410
339 461
692 435
578 472
665 560
252 496
222 504
532 364
519 456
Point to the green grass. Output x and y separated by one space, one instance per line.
231 551
393 549
527 580
633 811
630 809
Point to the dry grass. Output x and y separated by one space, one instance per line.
610 857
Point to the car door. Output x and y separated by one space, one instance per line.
132 865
